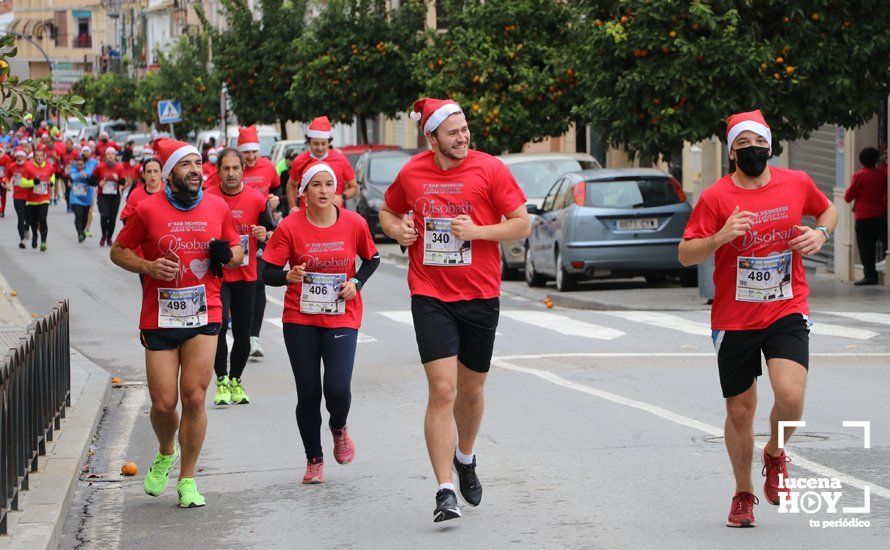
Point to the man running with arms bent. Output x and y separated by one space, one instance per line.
751 220
186 239
459 198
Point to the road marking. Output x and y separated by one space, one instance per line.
840 331
519 299
275 321
663 320
667 354
799 461
867 317
273 300
399 316
395 263
562 324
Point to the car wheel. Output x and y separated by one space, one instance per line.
689 278
532 277
565 282
508 273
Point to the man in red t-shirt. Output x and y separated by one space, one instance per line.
39 178
187 238
752 222
448 206
869 191
253 220
318 139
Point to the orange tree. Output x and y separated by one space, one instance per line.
353 61
658 73
20 97
182 76
511 65
110 94
255 57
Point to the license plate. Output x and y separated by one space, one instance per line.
638 223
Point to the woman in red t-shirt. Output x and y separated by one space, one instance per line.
322 307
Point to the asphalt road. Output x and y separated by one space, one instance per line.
602 430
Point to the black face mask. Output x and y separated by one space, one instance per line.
752 160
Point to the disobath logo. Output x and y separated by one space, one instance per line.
812 495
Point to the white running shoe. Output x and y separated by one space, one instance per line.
256 350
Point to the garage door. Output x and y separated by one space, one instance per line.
817 157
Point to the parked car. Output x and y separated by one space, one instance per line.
374 172
535 174
608 223
282 147
354 152
141 140
73 128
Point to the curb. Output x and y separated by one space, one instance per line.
44 508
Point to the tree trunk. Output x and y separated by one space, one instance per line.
363 129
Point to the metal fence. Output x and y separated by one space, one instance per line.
35 388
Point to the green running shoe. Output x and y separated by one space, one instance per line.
43 247
159 473
189 497
87 233
238 395
223 391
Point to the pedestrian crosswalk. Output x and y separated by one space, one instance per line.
614 325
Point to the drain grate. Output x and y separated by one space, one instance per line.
799 437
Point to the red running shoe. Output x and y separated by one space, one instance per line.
772 468
741 511
102 242
314 472
344 448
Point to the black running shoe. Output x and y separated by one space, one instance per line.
470 488
34 241
446 506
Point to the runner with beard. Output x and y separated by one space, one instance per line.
463 202
187 238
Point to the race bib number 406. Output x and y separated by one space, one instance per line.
182 307
441 247
321 294
764 279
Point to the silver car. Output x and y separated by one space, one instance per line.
608 223
535 174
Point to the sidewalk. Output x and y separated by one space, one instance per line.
43 508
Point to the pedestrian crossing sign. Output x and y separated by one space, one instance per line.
169 111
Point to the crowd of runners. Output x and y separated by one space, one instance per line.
207 230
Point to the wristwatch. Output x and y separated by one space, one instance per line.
358 284
824 231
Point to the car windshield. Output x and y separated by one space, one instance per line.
536 177
631 193
139 139
295 147
74 124
383 170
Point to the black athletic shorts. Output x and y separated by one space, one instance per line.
171 338
738 351
465 328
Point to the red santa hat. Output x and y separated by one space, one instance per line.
433 112
248 139
19 151
171 151
319 128
310 169
110 149
751 120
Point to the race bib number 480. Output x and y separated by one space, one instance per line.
182 307
321 294
441 247
764 279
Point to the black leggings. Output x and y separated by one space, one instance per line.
37 220
80 217
21 214
306 346
259 303
108 207
237 303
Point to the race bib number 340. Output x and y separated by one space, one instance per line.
182 307
441 247
764 279
321 294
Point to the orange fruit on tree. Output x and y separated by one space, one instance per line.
780 60
4 70
776 76
130 469
789 70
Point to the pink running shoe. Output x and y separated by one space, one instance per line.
344 448
772 467
314 472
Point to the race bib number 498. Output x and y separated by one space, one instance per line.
182 307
